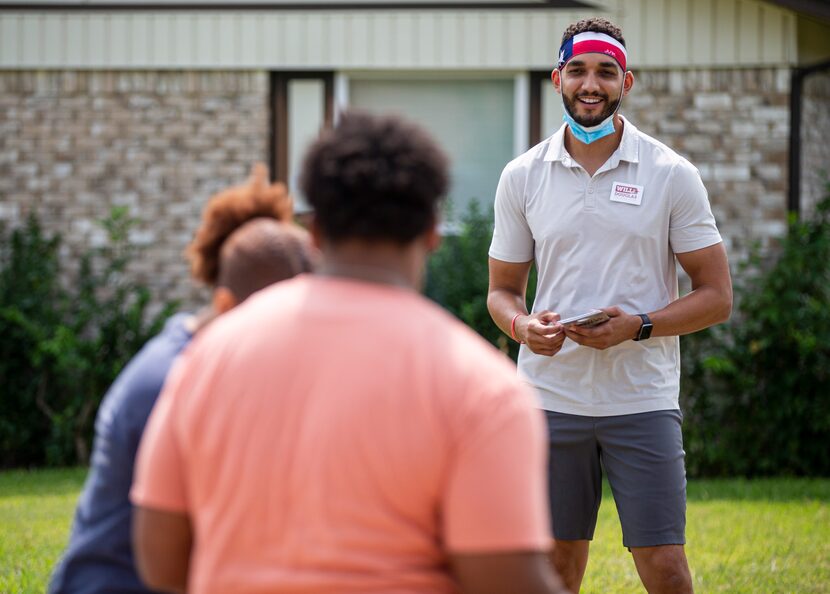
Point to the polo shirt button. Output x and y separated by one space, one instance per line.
590 190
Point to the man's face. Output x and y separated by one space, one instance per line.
591 85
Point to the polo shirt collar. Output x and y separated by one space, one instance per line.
556 148
629 149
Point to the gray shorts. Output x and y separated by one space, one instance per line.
643 457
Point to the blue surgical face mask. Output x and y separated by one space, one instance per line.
589 135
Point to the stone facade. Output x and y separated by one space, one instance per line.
733 125
74 144
815 140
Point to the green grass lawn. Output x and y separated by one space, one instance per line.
35 513
766 536
763 536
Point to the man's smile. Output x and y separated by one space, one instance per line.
590 100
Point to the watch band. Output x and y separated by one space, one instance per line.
645 329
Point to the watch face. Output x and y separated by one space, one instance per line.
645 329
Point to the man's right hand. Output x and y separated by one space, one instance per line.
541 332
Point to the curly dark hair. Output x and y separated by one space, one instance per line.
377 178
230 209
595 25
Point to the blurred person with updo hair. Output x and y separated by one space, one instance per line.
245 242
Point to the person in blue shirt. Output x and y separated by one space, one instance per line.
244 243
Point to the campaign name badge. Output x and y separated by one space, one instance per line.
628 193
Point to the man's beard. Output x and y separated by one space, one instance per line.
590 121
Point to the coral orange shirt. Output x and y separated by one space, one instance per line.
330 435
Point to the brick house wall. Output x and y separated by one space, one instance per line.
733 125
74 143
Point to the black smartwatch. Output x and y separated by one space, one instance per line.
645 329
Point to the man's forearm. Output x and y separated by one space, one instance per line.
710 301
506 573
503 305
506 291
703 307
162 543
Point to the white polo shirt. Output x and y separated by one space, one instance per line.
600 241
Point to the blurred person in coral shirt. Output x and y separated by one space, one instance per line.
339 432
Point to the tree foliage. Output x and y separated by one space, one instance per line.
457 276
757 391
63 339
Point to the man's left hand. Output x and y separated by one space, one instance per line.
619 328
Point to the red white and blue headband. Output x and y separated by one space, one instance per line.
592 42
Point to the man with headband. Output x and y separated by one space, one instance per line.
605 211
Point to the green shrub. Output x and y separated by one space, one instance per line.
757 391
457 276
31 303
63 343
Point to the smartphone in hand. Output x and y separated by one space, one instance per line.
589 319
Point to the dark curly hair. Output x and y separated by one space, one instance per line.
595 25
377 178
230 209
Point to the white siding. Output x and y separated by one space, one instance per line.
9 40
660 33
676 36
